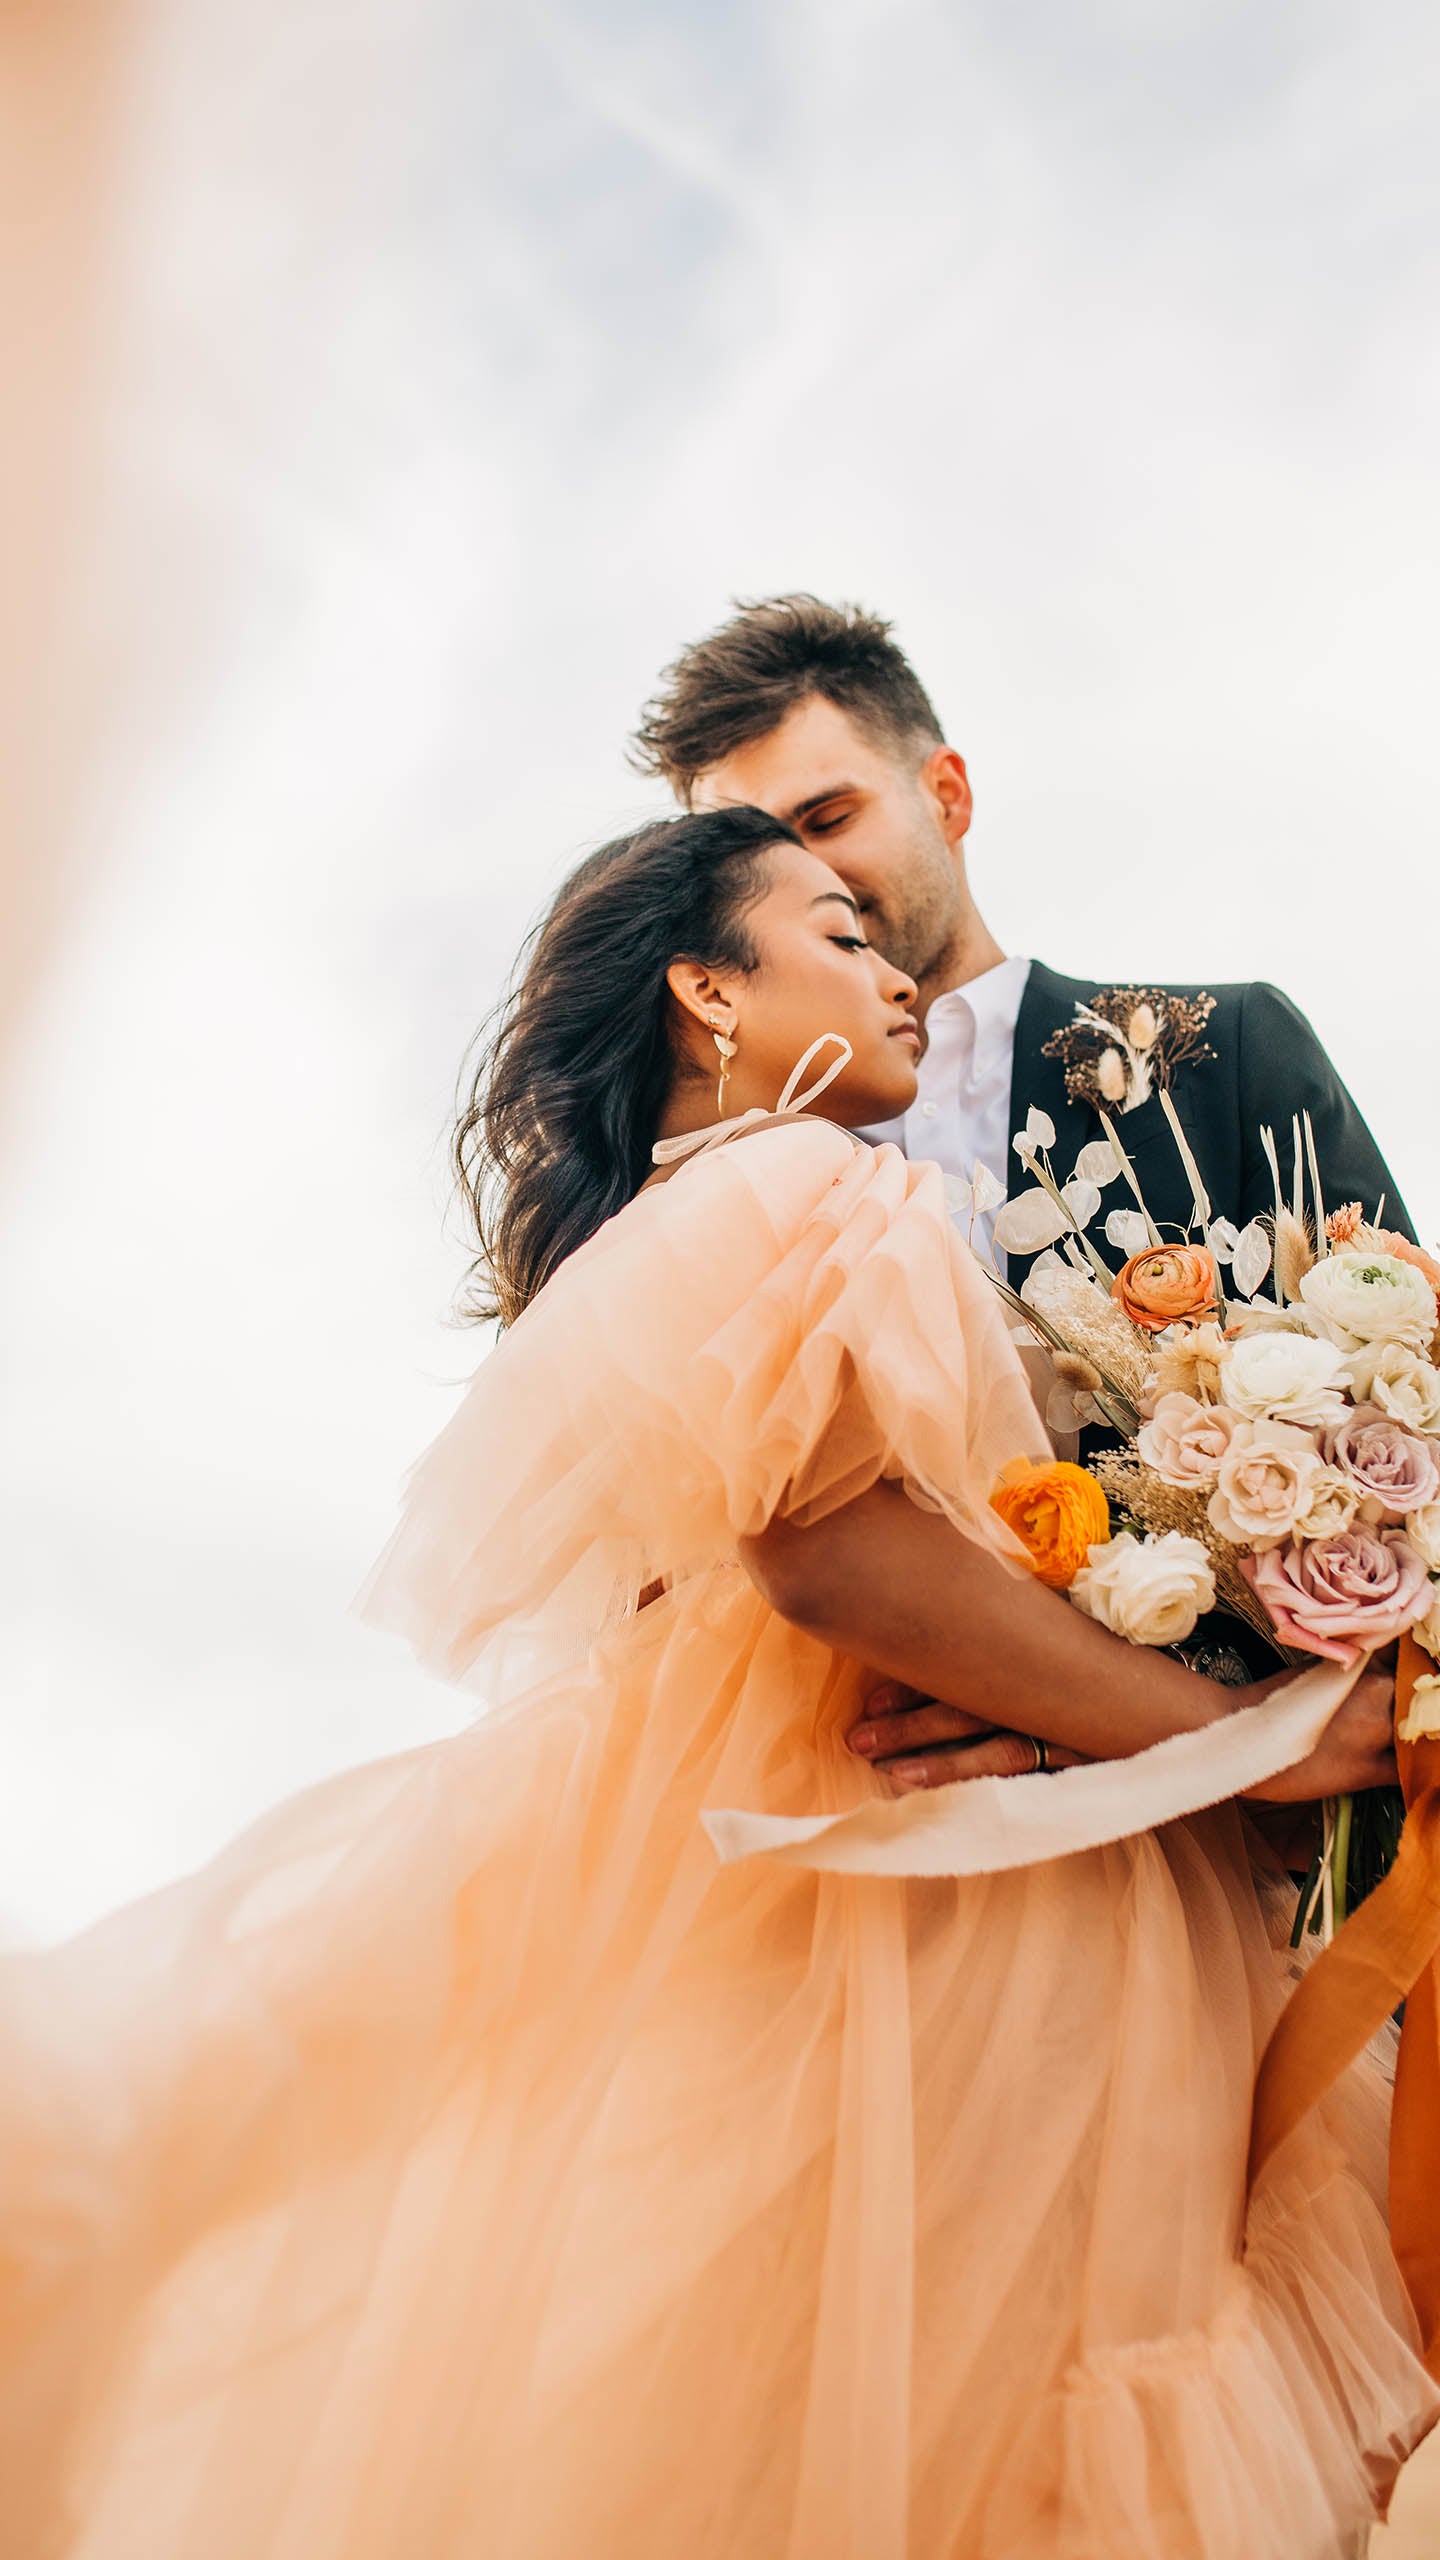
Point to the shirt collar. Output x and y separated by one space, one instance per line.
992 1001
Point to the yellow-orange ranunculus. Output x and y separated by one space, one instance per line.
1058 1513
1165 1284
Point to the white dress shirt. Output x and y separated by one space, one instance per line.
961 1115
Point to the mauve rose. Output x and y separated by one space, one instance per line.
1394 1468
1341 1596
1184 1440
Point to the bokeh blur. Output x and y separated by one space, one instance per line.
399 388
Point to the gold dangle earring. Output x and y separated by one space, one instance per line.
726 1048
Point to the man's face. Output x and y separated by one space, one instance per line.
893 834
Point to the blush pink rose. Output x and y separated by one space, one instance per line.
1341 1596
1393 1466
1185 1440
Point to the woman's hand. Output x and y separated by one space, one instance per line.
1355 1751
919 1742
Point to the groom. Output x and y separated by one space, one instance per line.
809 710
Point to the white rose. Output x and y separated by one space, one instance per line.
1184 1440
1285 1377
1423 1531
1332 1506
1427 1633
1268 1476
1369 1297
1421 1720
1403 1385
1148 1590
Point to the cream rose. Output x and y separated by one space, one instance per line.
1392 1376
1149 1590
1331 1507
1422 1528
1421 1720
1184 1440
1266 1479
1285 1377
1426 1630
1369 1297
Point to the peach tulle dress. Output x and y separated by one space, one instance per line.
473 2164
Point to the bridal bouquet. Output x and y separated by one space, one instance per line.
1276 1392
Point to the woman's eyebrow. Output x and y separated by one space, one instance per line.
835 898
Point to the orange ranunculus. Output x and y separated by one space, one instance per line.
1058 1513
1165 1284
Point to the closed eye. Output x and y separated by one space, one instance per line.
849 942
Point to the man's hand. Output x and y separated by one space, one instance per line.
916 1742
1355 1751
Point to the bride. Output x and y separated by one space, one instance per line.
625 2130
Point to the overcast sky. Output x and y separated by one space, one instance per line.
459 371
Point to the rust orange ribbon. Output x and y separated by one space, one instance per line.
1386 1952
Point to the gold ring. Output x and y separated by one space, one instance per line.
1041 1751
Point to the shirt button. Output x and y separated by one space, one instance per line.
929 1110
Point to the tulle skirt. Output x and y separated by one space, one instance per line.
467 2165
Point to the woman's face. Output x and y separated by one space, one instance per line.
816 973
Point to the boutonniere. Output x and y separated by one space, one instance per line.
1128 1043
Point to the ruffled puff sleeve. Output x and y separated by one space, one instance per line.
787 1320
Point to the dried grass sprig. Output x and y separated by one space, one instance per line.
1294 1254
1091 1323
1112 1403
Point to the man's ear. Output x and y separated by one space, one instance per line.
699 993
945 778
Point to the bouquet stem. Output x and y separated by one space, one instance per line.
1340 1856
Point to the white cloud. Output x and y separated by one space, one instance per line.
463 371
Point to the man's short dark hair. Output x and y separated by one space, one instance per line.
737 685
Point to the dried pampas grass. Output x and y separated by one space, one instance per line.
1092 1326
1294 1253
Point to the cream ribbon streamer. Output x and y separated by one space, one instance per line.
981 1826
792 1100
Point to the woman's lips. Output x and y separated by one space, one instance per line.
907 1031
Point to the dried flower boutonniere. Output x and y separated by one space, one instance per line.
1128 1043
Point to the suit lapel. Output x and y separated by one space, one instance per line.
1038 1083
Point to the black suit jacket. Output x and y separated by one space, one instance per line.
1268 1065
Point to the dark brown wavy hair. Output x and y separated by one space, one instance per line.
555 1130
740 682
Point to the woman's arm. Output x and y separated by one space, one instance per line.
900 1589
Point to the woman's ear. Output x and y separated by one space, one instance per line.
700 993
